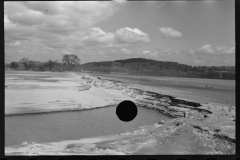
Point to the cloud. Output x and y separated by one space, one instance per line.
55 27
226 50
131 36
98 37
66 16
209 49
147 54
17 43
31 19
126 51
202 56
170 33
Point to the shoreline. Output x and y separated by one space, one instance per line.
197 125
220 92
56 111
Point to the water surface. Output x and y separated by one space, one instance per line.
72 125
220 91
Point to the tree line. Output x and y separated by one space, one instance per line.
133 66
140 66
68 63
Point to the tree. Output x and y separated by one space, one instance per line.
31 64
14 65
70 60
27 63
50 64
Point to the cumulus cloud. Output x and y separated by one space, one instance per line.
170 33
51 27
226 50
147 54
209 49
128 35
98 37
65 16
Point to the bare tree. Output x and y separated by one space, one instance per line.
27 63
70 60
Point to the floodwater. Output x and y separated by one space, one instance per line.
66 125
217 90
72 125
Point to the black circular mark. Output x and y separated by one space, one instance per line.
126 111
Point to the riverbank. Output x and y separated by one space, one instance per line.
197 89
195 134
195 128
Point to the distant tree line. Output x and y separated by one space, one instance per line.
139 66
67 64
134 66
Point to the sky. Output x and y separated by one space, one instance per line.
197 33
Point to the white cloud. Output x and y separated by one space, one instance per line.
54 17
146 52
98 37
207 49
226 50
75 13
55 27
169 32
127 36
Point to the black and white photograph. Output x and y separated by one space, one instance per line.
119 78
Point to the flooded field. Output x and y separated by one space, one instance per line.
199 89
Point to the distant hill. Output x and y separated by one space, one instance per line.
38 63
141 66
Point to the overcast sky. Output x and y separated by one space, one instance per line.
194 33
